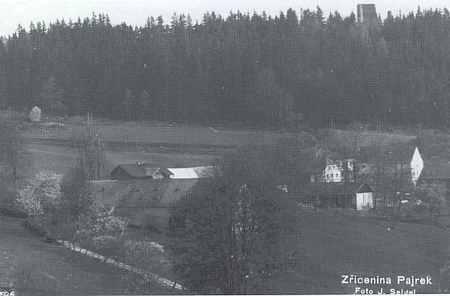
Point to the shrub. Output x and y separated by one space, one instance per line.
43 195
150 258
99 227
35 114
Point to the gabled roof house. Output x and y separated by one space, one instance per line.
335 171
357 195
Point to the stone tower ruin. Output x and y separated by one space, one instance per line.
367 21
367 14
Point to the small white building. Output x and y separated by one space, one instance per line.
364 197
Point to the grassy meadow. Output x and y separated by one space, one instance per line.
62 158
165 145
330 244
168 134
34 267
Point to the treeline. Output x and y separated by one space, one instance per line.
252 70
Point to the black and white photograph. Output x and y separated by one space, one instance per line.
224 147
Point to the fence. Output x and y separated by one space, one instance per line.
148 276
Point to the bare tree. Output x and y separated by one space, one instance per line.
90 166
436 195
350 145
298 161
392 175
226 236
15 159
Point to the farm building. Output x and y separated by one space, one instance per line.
138 170
364 197
334 194
146 202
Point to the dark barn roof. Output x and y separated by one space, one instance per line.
143 201
364 188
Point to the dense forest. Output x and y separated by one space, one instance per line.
251 70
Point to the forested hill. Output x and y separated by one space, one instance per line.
253 70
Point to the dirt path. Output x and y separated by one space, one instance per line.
49 269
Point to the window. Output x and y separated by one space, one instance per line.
331 175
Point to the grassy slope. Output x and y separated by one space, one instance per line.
162 144
198 136
61 158
163 134
49 269
329 245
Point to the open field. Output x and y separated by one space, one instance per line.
164 145
369 138
171 135
164 134
62 158
335 243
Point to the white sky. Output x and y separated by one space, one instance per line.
134 13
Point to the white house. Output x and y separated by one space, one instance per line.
335 170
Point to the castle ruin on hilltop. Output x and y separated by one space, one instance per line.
367 14
367 20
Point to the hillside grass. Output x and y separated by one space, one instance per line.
61 159
34 267
174 135
329 244
168 134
